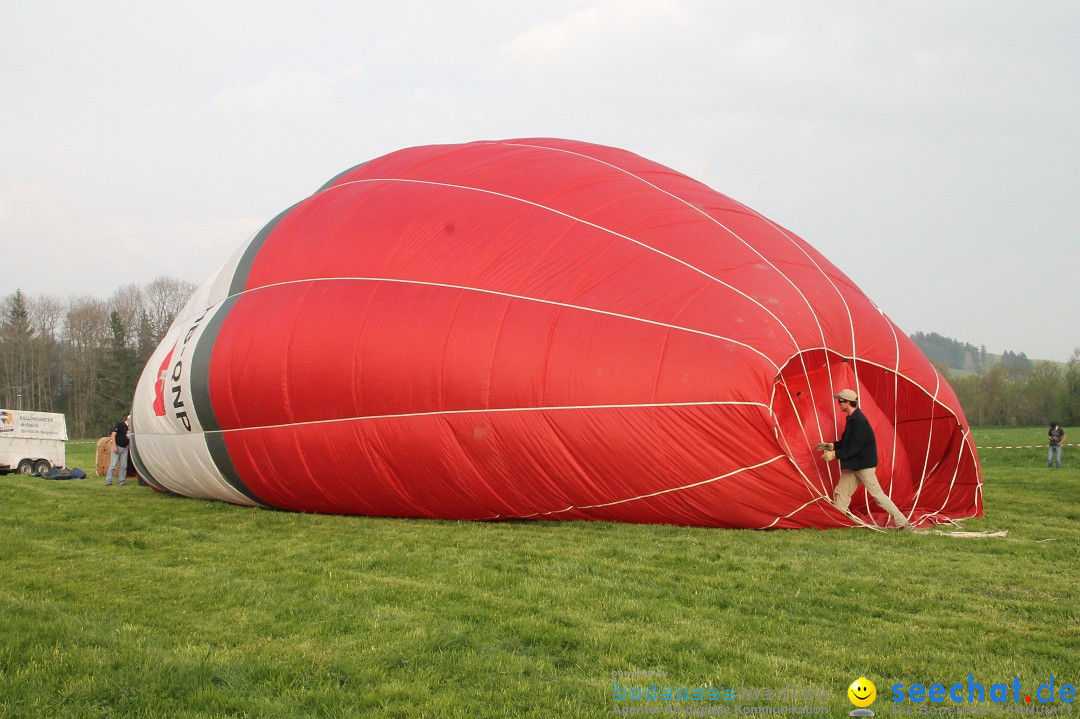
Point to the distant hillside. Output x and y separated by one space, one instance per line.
965 357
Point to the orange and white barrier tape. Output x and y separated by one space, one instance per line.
1027 446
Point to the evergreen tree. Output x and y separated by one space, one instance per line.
117 376
145 343
1020 365
16 356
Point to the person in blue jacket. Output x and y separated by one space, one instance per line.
1056 437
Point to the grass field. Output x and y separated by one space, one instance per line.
127 603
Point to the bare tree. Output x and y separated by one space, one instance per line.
86 331
46 314
164 298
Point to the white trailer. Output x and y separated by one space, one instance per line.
31 442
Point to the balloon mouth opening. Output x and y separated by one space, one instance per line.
922 447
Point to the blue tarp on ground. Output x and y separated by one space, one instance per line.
64 473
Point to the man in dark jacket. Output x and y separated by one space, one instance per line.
119 458
857 451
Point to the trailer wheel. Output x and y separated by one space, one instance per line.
26 466
42 466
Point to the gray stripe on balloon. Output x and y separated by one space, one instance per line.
340 175
202 403
140 467
243 267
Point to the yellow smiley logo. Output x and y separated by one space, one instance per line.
862 692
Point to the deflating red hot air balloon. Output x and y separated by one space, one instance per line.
540 329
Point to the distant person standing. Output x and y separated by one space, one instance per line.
857 451
119 457
1056 437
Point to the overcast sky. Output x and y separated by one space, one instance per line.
929 148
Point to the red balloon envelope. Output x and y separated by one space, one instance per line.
541 329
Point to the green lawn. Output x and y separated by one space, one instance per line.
123 602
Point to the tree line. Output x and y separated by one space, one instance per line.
1008 390
965 356
82 356
1022 394
946 351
